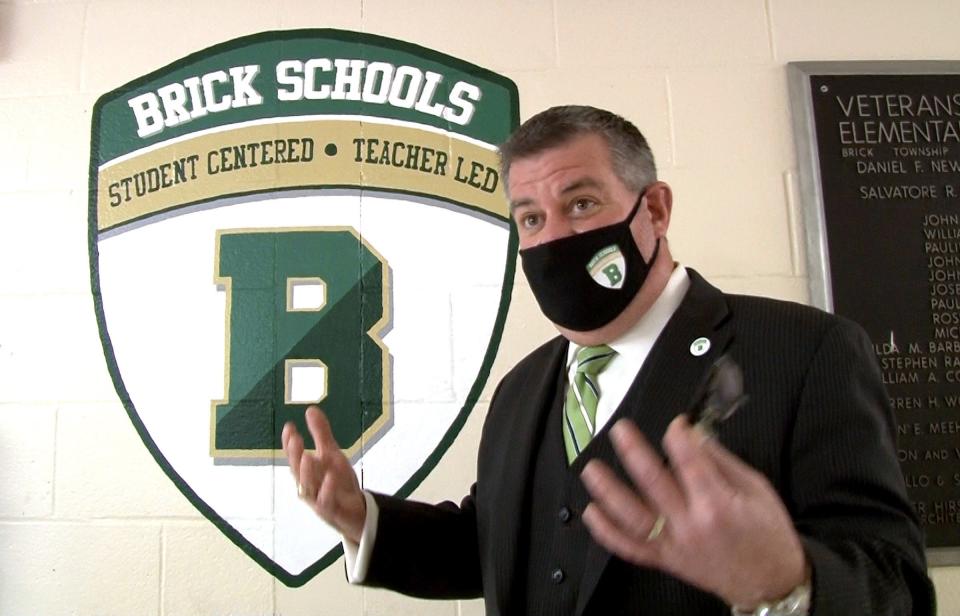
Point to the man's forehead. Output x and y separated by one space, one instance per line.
583 150
526 198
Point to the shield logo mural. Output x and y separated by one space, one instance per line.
290 218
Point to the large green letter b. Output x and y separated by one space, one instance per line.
304 313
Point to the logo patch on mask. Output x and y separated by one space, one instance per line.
608 267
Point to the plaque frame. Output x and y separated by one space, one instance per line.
810 190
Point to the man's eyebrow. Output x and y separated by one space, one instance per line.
520 203
586 182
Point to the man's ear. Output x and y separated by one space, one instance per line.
660 205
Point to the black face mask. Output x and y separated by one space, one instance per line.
585 280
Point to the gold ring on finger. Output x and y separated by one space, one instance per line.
657 529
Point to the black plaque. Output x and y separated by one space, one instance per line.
884 161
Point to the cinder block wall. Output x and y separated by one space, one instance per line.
88 522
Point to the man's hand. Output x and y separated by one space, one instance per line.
723 527
325 479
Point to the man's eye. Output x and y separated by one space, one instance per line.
582 205
530 221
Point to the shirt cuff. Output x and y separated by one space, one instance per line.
358 556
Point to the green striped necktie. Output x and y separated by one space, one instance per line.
580 409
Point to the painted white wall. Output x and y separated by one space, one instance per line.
88 522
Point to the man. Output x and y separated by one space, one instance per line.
795 506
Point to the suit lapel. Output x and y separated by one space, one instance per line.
513 465
665 387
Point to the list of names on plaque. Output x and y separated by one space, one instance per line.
889 155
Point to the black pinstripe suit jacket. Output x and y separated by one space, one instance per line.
817 424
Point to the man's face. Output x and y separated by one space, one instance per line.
573 188
570 189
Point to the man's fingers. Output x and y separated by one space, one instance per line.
293 447
647 469
620 505
325 478
311 477
320 430
692 465
328 503
738 473
611 536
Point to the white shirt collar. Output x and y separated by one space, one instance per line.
635 344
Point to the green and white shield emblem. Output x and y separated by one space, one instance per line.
608 267
299 217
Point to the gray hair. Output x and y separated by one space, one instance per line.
630 154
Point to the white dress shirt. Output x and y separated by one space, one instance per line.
632 349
